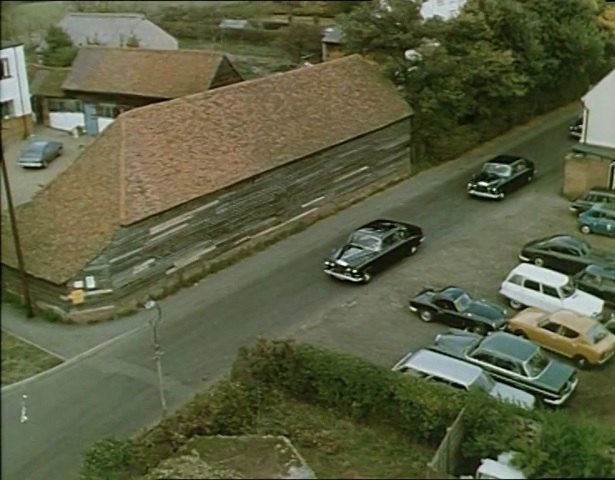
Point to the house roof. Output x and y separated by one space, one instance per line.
151 73
604 84
9 44
47 81
154 158
605 153
114 29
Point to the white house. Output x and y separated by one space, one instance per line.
445 9
591 163
599 113
14 92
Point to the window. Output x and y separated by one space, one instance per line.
552 292
442 303
64 105
6 73
484 357
8 109
551 327
532 285
109 111
568 332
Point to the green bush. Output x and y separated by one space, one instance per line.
107 459
351 386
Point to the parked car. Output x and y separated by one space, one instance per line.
502 468
599 281
565 253
500 176
453 306
530 286
39 153
373 247
512 360
575 129
598 219
592 197
575 336
456 373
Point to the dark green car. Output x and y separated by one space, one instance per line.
512 360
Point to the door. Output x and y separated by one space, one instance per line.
612 176
550 336
91 119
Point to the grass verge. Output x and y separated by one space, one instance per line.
20 360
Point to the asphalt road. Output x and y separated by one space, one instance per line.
276 292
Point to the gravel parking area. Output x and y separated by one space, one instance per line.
25 182
377 324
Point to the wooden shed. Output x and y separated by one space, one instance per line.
170 187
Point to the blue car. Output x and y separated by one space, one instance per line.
598 219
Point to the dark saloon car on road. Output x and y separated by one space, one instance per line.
512 360
575 129
565 253
500 176
372 248
453 306
39 153
599 281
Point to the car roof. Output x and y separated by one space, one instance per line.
379 227
602 271
602 207
541 274
505 159
572 320
443 366
509 345
558 239
451 293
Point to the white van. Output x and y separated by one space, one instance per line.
529 285
459 374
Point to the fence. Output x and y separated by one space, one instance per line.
444 461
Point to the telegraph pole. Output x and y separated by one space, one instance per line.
20 263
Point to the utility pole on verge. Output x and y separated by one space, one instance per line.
22 270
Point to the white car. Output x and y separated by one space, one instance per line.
459 374
528 285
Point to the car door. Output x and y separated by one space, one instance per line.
446 312
563 259
607 223
551 298
550 336
533 296
518 177
389 250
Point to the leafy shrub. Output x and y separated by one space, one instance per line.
107 459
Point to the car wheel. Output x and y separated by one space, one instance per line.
581 361
426 316
539 261
585 229
367 277
479 329
514 304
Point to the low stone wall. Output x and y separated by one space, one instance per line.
583 171
16 129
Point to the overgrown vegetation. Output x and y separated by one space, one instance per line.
332 406
20 360
495 65
60 50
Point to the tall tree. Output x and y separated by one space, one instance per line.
60 51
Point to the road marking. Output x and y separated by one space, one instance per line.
70 361
29 342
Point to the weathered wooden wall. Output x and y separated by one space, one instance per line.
161 247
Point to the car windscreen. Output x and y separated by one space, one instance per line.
497 169
568 289
365 240
536 364
33 150
597 333
462 302
485 383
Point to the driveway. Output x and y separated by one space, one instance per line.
282 292
25 182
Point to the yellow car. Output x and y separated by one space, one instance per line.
581 338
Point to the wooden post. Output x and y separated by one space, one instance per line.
20 262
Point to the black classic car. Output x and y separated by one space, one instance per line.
565 253
372 248
500 176
512 360
453 306
599 281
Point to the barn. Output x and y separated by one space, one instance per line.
169 188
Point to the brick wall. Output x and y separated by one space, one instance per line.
16 129
582 172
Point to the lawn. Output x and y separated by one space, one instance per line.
28 22
21 360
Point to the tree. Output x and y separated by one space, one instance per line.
300 40
133 41
60 51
